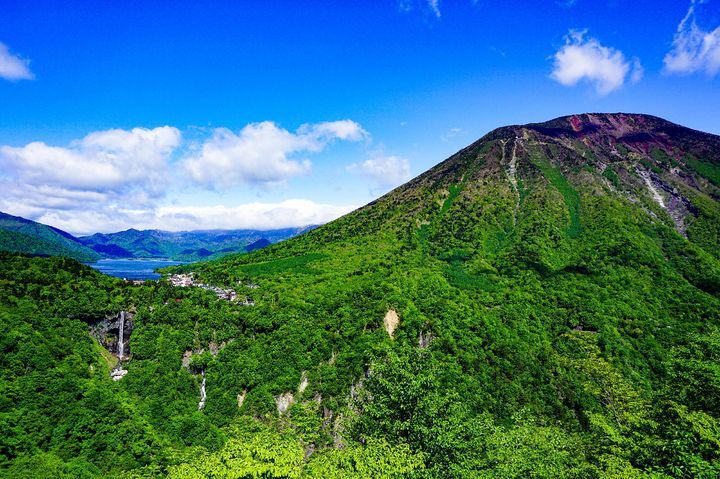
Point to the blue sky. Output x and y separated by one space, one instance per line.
186 114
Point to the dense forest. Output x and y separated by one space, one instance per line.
24 236
545 303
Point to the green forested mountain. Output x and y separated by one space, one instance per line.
21 235
184 245
25 236
544 303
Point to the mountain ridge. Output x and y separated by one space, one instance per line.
553 271
22 235
501 164
183 245
537 305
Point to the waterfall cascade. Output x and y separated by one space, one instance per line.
203 396
121 336
103 331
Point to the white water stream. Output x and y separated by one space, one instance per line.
201 404
121 336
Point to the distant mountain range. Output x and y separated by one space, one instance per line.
21 235
184 245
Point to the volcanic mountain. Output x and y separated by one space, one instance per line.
547 197
544 303
553 271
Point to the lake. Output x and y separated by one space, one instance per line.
132 268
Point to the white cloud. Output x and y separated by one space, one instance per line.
326 131
636 72
435 7
260 152
284 214
586 59
29 200
116 179
90 182
13 67
386 171
693 49
110 161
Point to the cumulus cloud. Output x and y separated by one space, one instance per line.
261 152
693 49
30 200
108 161
116 179
95 177
386 171
284 214
87 212
13 67
321 133
586 59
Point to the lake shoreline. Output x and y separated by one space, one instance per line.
133 268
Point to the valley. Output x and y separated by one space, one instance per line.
543 303
29 237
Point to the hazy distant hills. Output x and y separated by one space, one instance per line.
184 245
21 235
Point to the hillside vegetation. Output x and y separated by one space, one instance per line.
21 235
184 245
542 304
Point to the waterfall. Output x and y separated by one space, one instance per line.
121 346
201 404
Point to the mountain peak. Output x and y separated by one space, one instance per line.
601 139
614 125
668 170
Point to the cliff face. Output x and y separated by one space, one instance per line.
114 332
